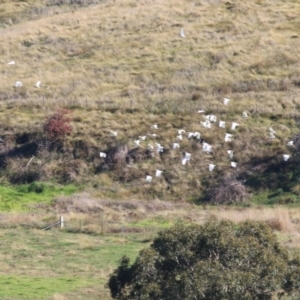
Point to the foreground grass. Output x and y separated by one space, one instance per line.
26 287
75 262
39 265
69 264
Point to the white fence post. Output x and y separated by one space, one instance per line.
61 222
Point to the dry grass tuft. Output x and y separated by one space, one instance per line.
279 218
58 297
229 191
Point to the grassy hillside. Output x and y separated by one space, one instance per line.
123 66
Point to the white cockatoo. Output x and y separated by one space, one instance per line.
228 137
211 167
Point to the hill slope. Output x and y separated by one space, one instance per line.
123 66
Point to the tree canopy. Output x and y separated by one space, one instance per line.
217 260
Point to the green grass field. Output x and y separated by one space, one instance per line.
55 264
59 264
22 197
75 262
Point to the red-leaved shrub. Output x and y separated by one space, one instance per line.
57 126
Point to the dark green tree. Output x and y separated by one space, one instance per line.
218 260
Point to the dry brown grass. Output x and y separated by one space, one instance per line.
85 214
229 191
85 208
104 53
58 297
284 221
279 218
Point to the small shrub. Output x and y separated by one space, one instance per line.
36 187
286 199
296 189
57 126
228 192
116 158
275 224
24 176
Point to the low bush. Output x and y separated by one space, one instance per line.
217 260
228 192
57 126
